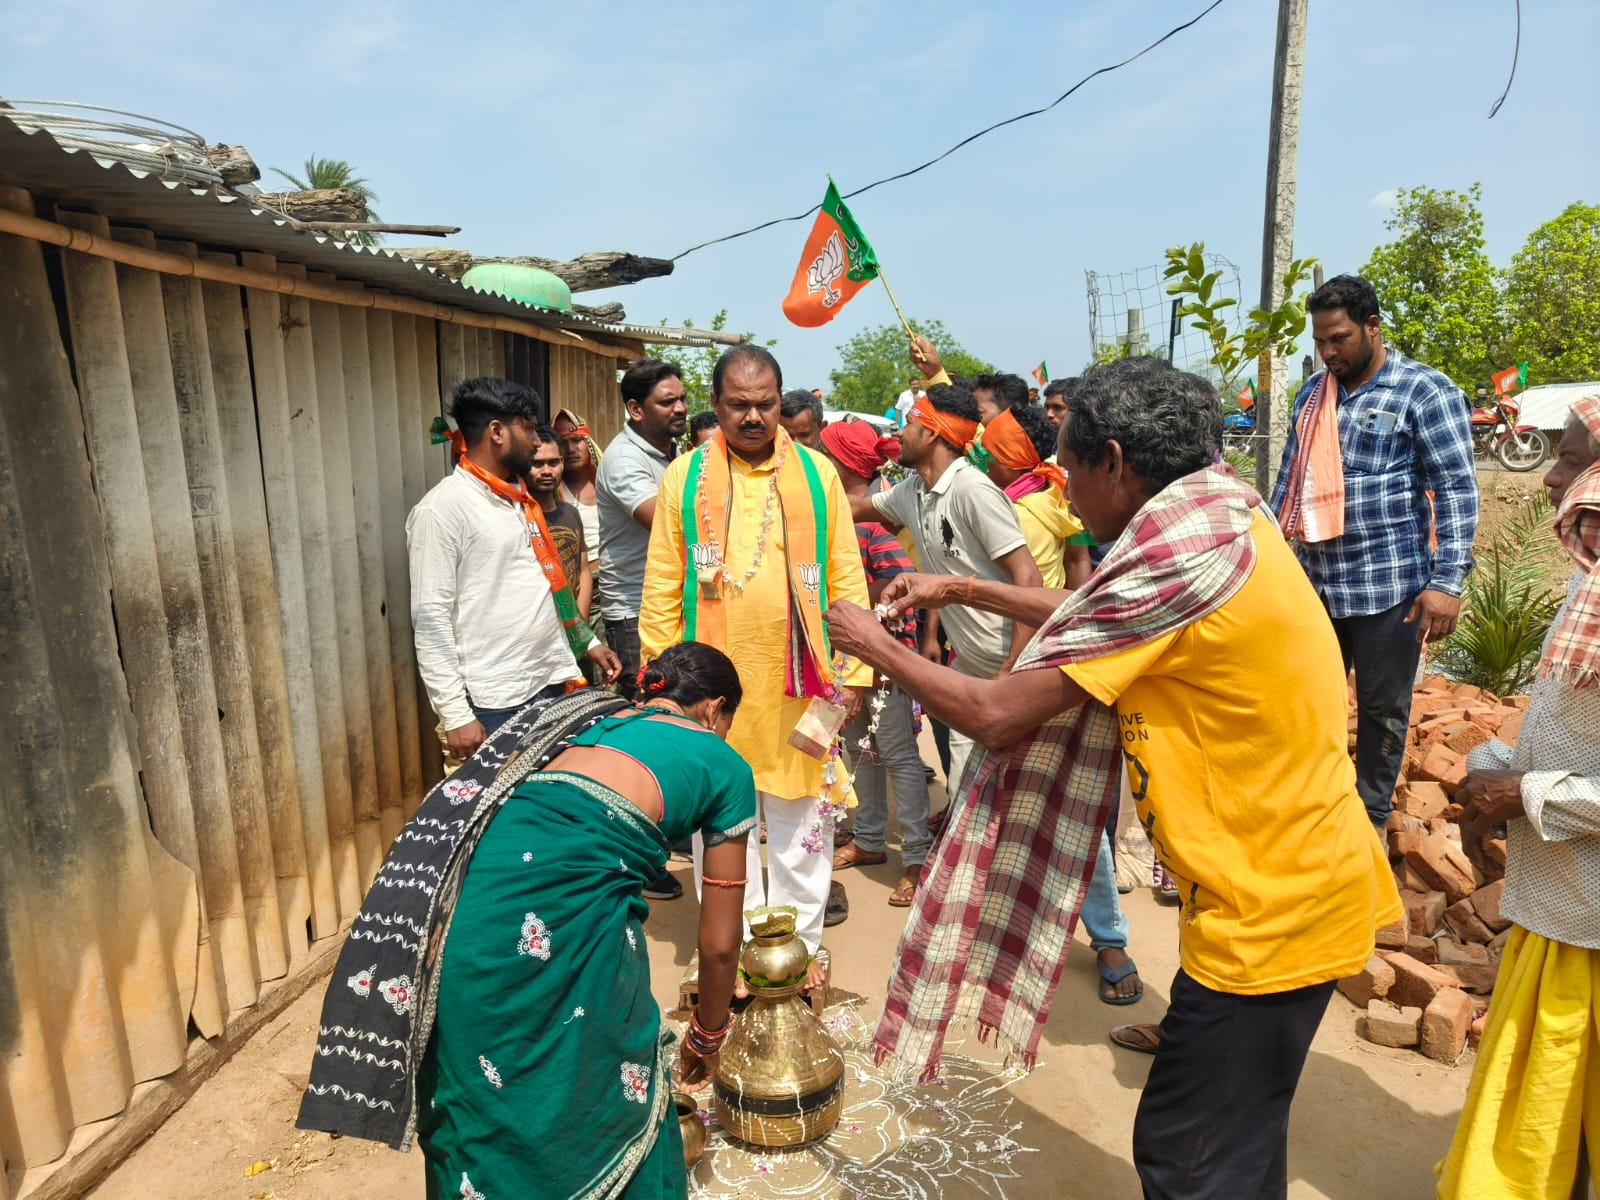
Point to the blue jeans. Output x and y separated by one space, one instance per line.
492 718
895 760
1102 916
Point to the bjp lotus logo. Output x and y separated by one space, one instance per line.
706 556
811 577
825 268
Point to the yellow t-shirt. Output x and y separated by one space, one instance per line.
1047 523
1234 734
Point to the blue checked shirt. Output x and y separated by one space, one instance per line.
1404 434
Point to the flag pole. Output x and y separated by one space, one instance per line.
911 335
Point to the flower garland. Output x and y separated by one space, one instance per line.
768 512
834 800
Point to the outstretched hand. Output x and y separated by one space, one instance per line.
911 591
857 631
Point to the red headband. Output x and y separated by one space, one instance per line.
858 448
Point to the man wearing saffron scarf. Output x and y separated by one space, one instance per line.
1370 438
963 526
1247 792
496 622
1018 442
1535 1093
751 540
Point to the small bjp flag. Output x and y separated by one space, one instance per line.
837 262
1041 374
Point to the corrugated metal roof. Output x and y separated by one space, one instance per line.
120 193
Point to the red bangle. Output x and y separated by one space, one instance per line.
724 883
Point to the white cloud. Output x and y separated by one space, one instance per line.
1385 199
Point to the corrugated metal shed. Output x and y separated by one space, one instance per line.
51 171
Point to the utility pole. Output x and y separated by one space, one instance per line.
1277 233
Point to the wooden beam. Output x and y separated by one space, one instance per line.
377 227
319 204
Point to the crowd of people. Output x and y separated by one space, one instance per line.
1084 603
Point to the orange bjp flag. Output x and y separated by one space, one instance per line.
837 262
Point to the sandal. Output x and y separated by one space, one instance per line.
1111 976
906 890
1146 1039
838 908
854 856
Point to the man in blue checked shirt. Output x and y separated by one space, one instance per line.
1403 434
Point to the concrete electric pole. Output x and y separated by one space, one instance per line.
1277 234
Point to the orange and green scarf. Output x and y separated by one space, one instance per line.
803 512
579 635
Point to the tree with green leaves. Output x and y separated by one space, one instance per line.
875 365
1552 298
697 362
336 173
1234 351
1439 297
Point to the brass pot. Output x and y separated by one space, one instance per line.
691 1126
780 1076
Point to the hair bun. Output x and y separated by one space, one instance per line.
653 679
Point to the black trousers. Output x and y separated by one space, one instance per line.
1384 651
1213 1122
623 638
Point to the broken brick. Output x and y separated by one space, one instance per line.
1453 953
1392 1025
1423 798
1486 903
1475 1031
1472 977
1407 879
1443 864
1511 726
1422 948
1444 1025
1392 937
1464 922
1424 913
1443 766
1415 982
1373 982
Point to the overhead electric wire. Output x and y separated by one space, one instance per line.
1516 51
1173 32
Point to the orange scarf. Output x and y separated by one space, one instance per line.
1011 447
958 431
1314 504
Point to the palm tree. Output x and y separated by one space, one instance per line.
336 173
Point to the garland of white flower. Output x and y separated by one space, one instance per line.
767 515
833 800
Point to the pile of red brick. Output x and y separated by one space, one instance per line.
1428 984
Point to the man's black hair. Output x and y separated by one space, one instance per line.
1168 422
956 401
477 402
545 434
701 420
798 401
1349 292
1008 390
1035 423
641 377
745 353
1066 386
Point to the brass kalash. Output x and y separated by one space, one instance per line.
780 1077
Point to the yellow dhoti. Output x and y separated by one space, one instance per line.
1535 1092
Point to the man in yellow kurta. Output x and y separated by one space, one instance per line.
752 540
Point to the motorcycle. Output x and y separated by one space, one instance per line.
1495 431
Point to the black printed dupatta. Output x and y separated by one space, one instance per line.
378 1013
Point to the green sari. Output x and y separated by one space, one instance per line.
548 1072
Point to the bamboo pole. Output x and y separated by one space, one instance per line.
38 230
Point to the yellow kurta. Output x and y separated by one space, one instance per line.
757 620
1047 523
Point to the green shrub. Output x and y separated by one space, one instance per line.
1507 607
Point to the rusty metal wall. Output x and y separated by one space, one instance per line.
212 723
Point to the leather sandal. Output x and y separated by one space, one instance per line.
854 856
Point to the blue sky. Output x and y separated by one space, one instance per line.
650 127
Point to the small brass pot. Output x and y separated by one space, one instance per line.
691 1126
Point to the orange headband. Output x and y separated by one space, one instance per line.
1005 439
958 431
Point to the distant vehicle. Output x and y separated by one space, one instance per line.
881 424
1498 429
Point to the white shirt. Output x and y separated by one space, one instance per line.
486 624
906 399
1553 852
589 514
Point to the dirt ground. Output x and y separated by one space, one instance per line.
1367 1122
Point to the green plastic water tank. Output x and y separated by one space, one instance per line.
529 285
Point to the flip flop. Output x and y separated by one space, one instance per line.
1146 1039
904 892
838 908
854 856
1111 976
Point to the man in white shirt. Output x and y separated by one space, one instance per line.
489 601
625 489
904 401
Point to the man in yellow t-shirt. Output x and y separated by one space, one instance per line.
1233 730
